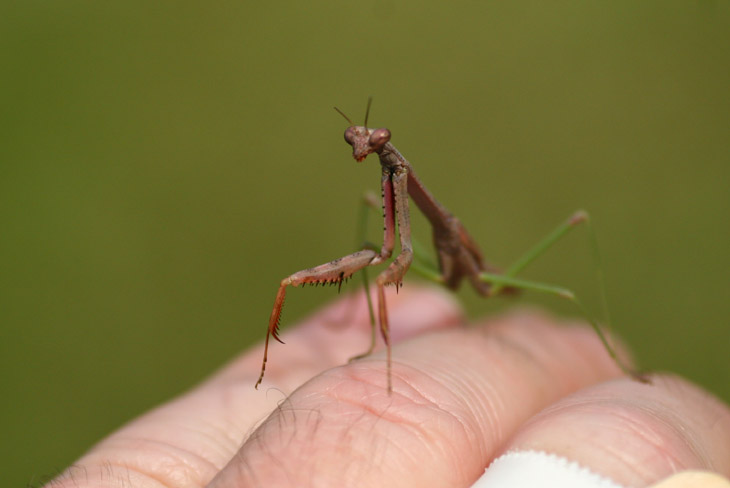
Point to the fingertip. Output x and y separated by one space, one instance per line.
411 310
634 433
570 349
418 309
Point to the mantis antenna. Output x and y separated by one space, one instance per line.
367 113
343 114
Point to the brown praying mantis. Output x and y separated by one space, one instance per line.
459 256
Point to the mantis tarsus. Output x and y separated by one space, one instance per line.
459 256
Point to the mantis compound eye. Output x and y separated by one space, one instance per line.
350 135
379 138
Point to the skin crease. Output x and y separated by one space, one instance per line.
461 397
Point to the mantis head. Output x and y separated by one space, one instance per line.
363 140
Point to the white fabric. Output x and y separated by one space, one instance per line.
517 469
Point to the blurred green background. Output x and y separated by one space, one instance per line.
165 164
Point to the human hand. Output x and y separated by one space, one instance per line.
461 397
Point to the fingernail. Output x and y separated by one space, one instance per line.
516 469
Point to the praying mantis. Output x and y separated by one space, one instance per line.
459 256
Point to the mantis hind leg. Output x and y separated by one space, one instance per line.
508 279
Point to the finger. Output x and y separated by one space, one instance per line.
458 395
187 441
633 433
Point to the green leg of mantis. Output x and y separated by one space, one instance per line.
508 279
427 268
369 202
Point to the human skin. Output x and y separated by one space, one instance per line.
462 395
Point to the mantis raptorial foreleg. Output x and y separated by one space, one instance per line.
459 256
336 271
